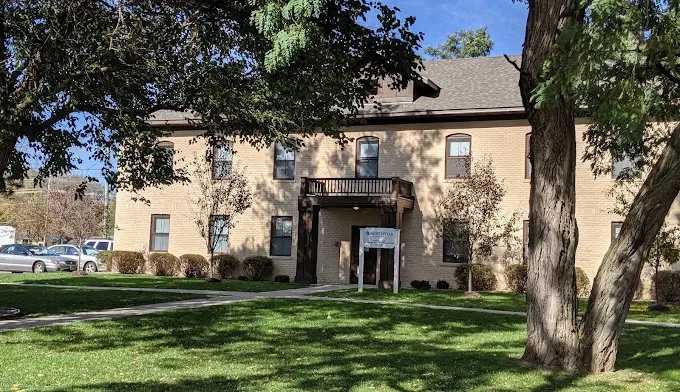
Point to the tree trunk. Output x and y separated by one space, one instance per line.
619 273
7 145
552 328
470 276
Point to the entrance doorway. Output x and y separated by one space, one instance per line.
370 260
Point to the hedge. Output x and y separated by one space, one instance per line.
582 283
442 285
164 264
669 286
421 285
226 265
103 257
483 278
258 267
194 266
126 262
516 275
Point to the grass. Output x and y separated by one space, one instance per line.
496 301
43 301
302 345
145 281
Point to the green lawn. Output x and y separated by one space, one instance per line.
42 301
301 345
496 301
146 281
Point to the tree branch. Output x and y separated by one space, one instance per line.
28 101
667 73
513 62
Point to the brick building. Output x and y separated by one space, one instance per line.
308 206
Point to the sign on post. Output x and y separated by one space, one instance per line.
379 238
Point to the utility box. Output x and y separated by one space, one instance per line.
7 235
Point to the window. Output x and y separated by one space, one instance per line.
367 157
622 166
104 245
71 251
525 241
457 156
456 243
282 236
527 156
160 234
90 243
59 250
222 157
616 230
169 149
284 163
219 233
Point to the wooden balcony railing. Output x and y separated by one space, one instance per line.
385 187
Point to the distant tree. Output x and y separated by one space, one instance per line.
75 216
462 44
469 209
217 202
30 218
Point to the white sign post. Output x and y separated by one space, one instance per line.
380 238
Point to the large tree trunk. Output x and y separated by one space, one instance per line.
7 145
619 273
552 327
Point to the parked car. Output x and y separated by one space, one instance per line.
88 256
33 258
100 243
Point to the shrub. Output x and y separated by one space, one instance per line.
164 264
226 265
483 278
669 286
582 283
443 285
516 274
126 262
195 266
282 278
242 277
421 284
104 257
258 267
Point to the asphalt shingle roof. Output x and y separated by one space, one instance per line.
469 85
481 83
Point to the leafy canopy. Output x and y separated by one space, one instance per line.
90 74
621 68
462 44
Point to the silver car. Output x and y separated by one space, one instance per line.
88 256
32 258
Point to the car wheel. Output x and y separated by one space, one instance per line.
39 267
90 267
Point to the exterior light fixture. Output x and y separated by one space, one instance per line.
355 208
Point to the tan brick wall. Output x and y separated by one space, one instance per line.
414 152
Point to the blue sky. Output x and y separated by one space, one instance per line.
504 19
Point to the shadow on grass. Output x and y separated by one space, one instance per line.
304 345
146 281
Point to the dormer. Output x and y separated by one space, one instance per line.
422 87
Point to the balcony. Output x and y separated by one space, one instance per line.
356 192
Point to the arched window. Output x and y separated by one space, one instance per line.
457 155
368 151
169 151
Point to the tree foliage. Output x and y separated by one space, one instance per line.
463 44
90 74
217 203
469 208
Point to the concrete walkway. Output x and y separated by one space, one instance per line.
228 297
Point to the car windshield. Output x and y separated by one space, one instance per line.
40 251
90 251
